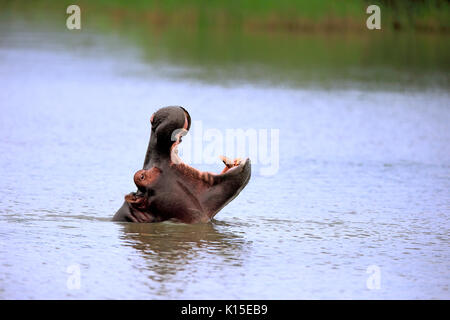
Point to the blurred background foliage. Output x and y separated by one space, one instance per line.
264 15
299 42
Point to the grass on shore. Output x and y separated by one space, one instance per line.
271 15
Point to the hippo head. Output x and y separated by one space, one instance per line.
169 189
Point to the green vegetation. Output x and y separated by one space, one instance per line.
277 42
289 15
273 15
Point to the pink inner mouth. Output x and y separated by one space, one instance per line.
201 175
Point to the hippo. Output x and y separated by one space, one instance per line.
169 189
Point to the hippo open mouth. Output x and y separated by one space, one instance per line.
169 189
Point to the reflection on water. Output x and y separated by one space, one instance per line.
363 179
170 248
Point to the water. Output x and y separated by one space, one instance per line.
363 179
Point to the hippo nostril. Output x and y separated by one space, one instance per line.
142 176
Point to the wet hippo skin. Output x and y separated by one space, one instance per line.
168 189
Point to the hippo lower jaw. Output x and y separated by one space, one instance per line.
135 207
